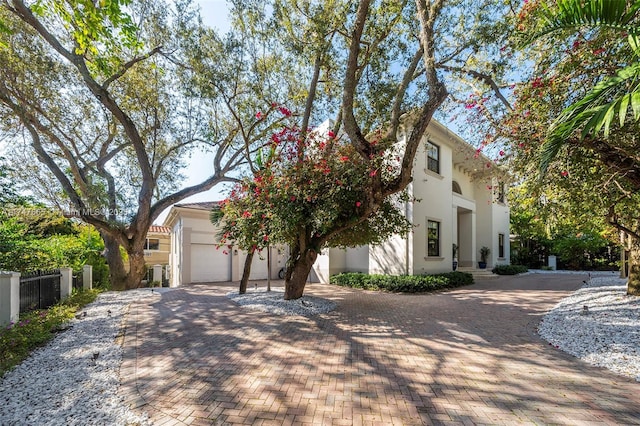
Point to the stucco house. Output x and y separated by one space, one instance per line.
460 200
156 248
196 257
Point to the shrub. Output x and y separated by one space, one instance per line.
510 269
402 283
36 328
457 278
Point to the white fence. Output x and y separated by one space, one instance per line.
10 291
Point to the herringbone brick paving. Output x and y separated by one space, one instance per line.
464 357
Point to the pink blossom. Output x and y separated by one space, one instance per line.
358 203
284 111
259 115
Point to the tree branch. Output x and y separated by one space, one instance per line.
351 127
485 78
612 218
128 66
402 90
437 94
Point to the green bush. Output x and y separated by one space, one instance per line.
510 269
36 328
402 283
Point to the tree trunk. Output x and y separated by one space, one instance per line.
297 277
137 269
119 278
117 273
633 285
246 272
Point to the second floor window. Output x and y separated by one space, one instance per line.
500 194
152 244
433 157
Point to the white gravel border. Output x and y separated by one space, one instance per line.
273 302
606 333
62 384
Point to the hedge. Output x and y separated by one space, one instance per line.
402 283
510 269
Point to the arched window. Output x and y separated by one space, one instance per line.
455 187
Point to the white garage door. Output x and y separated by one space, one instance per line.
209 264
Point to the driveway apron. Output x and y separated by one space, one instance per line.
468 356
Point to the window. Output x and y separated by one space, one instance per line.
501 245
500 195
433 238
152 244
433 157
455 187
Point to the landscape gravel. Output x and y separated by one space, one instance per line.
74 379
599 324
273 302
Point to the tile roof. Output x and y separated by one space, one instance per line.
204 205
160 229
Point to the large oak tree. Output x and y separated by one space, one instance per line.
101 96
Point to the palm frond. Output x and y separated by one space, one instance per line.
573 14
596 111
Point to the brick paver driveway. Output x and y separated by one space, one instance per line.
469 356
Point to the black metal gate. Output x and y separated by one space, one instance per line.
77 282
39 290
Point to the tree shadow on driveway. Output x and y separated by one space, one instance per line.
468 355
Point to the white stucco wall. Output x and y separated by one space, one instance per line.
484 219
435 203
501 222
320 271
175 254
389 258
357 259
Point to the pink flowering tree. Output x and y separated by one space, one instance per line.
311 193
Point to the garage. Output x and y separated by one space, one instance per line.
209 264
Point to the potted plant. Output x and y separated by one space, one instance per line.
455 257
484 253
